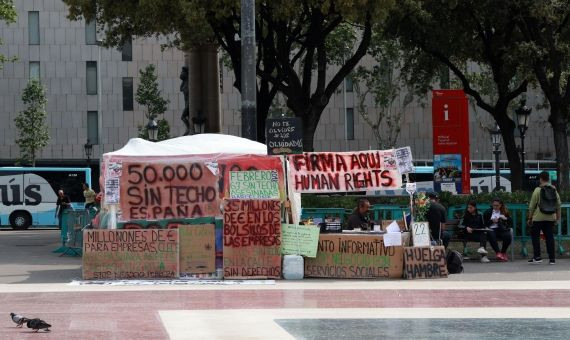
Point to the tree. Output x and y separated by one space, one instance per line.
383 84
545 26
291 40
149 95
8 14
33 134
462 34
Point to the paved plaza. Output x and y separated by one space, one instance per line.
489 301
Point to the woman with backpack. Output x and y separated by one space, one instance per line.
543 212
474 229
499 222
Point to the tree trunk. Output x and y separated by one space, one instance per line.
310 122
507 127
558 123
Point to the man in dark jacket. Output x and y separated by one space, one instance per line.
360 218
437 217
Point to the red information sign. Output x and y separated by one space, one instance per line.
252 238
450 118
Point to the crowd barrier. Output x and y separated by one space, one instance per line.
519 214
74 221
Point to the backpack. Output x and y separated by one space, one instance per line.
454 262
548 200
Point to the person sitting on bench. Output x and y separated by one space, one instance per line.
474 229
499 221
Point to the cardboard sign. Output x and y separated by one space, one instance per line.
420 234
404 160
252 238
179 189
130 254
356 256
284 136
424 262
299 240
254 184
344 171
197 248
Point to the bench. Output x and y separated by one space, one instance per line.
453 227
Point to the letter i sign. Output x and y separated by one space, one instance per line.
445 112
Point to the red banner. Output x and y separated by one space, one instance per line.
344 171
450 120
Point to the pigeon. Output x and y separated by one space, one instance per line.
18 319
37 324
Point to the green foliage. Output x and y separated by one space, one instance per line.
33 133
8 14
421 207
149 95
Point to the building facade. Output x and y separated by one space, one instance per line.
65 56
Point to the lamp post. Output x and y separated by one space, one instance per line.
88 148
152 129
496 139
198 123
523 115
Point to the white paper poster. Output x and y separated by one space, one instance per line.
411 188
112 191
114 169
420 234
404 160
392 239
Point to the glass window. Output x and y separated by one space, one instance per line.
350 123
34 28
127 50
90 33
34 70
91 69
92 127
127 94
348 84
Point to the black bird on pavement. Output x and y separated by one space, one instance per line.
18 319
37 324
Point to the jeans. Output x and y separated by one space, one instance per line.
477 236
547 228
499 234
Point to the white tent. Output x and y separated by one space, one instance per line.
200 144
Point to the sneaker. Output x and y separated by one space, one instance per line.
505 257
485 259
535 260
552 261
481 250
500 257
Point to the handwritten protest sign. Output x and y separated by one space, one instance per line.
344 171
404 160
299 240
284 136
254 184
420 234
197 249
354 256
112 192
130 254
178 189
252 238
424 262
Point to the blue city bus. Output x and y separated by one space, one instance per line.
482 181
29 195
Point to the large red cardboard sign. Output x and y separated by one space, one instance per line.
344 171
450 119
252 238
178 189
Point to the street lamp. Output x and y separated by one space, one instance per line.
198 123
496 139
523 118
152 129
88 148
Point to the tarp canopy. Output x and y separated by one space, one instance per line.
200 144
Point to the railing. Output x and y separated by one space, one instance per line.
518 212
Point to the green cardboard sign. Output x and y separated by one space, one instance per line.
254 184
299 240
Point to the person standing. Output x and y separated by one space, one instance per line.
499 221
63 203
89 195
472 223
437 217
543 212
360 218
